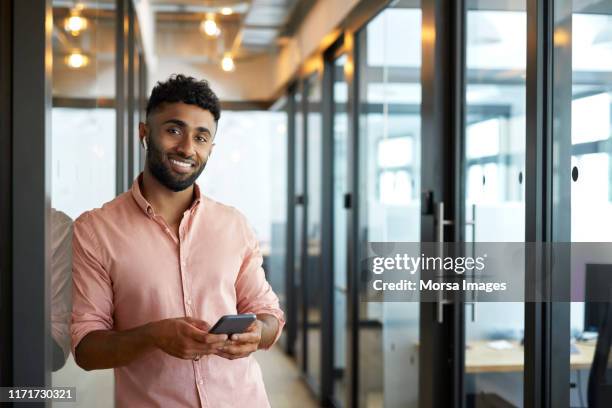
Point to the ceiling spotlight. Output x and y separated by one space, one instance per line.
210 27
227 11
227 63
77 60
75 23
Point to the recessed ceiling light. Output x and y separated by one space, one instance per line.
210 27
77 60
227 63
75 23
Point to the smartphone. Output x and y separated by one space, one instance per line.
232 324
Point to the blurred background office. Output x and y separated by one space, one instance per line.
344 122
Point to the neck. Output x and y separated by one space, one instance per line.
170 204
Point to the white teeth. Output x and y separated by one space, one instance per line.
179 163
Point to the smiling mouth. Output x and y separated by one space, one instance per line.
181 166
181 163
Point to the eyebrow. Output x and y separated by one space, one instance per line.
180 123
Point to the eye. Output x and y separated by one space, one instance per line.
201 139
174 131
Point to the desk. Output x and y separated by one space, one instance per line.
480 358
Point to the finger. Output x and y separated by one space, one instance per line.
246 337
252 327
215 338
204 348
238 349
202 325
213 346
198 347
194 333
238 352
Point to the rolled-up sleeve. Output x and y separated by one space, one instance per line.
254 293
92 294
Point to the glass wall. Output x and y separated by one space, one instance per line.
389 197
591 200
312 275
494 170
340 167
493 195
83 166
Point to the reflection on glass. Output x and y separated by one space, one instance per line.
340 126
591 206
494 190
61 287
82 167
389 197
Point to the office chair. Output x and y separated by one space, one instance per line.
600 377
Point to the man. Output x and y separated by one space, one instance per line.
158 265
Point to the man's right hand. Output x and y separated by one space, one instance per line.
185 337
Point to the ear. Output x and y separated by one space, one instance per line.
143 132
212 147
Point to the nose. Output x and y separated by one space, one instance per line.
186 146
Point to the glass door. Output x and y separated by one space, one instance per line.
389 198
84 162
494 195
582 155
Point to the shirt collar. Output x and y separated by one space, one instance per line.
146 207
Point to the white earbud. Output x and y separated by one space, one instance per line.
144 143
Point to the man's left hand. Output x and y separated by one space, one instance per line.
243 344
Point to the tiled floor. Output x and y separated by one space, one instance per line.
282 379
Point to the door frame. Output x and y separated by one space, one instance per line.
6 175
31 193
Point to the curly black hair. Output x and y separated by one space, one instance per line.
180 88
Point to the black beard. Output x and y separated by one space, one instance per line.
159 170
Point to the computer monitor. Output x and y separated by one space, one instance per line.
598 287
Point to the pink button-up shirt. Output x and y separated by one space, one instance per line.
130 269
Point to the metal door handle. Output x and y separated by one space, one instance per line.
473 304
472 223
440 224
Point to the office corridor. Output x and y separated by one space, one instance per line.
428 184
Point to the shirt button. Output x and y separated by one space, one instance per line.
201 382
149 210
188 301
